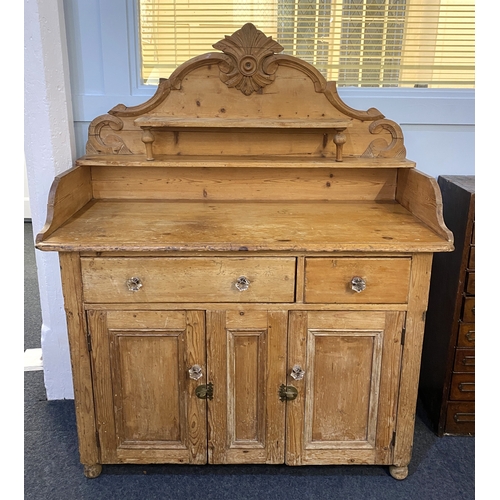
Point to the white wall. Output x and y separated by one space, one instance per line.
102 47
49 149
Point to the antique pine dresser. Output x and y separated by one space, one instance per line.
245 263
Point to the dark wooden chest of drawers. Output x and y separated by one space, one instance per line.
447 378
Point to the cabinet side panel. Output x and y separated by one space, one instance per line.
80 357
410 364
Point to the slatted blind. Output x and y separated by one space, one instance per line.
361 43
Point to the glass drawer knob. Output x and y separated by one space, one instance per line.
134 284
242 283
358 284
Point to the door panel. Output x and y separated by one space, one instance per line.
147 410
247 366
346 404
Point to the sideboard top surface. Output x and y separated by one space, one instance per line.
309 226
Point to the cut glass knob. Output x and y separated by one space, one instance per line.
242 283
358 284
297 372
134 284
195 372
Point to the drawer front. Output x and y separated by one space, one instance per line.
330 280
470 284
465 360
188 279
463 387
466 335
460 418
469 310
472 258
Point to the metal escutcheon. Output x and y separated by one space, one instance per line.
134 284
242 283
195 372
358 284
205 391
287 392
297 372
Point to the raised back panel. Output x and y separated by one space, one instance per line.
297 111
194 183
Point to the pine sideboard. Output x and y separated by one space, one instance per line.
245 263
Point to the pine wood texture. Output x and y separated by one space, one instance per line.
328 280
185 279
146 408
346 408
209 239
246 419
146 226
80 359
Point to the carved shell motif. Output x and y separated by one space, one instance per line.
247 49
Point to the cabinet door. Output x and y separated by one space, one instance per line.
246 363
346 405
146 406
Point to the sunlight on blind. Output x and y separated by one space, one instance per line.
365 43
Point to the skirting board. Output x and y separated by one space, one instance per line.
33 360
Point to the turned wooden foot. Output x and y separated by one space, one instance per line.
92 471
398 472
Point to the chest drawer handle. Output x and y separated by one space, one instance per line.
471 335
467 387
358 284
134 284
242 283
469 360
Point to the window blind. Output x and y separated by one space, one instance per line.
362 43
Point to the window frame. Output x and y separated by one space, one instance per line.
427 105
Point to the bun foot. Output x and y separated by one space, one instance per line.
92 471
398 472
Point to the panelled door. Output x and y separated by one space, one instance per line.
149 367
246 351
346 366
146 407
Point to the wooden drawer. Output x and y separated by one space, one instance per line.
329 280
465 360
472 258
466 335
470 283
469 310
460 418
463 387
188 279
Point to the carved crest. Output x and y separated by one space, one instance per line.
247 50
